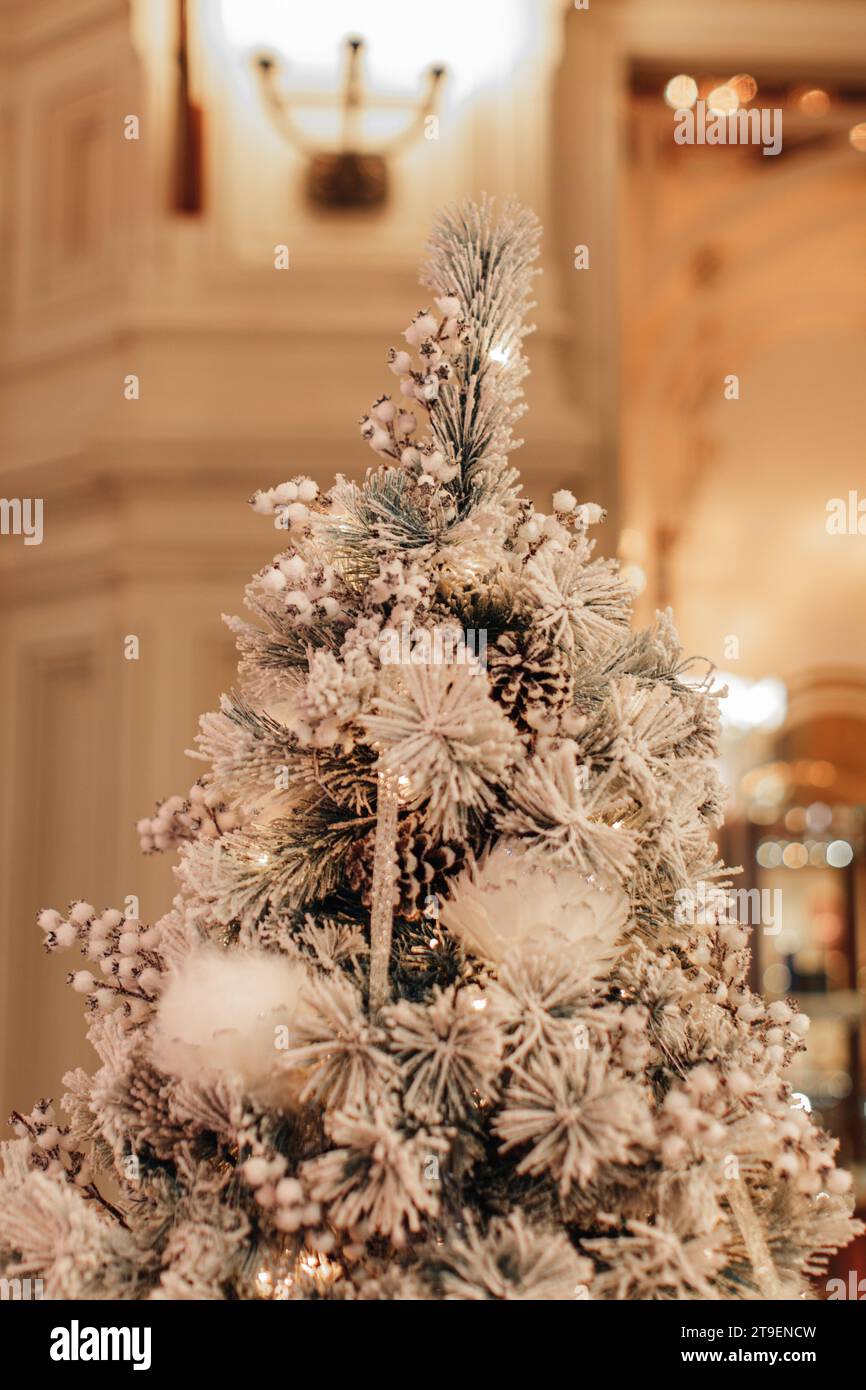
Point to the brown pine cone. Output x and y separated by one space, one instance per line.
530 678
421 860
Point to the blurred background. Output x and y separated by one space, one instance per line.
211 216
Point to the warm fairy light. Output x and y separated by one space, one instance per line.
722 101
681 92
632 544
857 136
499 353
263 859
750 704
479 1004
635 577
795 856
777 978
839 854
311 1266
813 102
769 854
745 87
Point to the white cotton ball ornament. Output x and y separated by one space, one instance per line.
424 326
448 306
294 567
220 1012
256 1171
506 902
838 1182
273 580
380 440
401 363
261 504
564 501
284 493
297 515
298 600
780 1012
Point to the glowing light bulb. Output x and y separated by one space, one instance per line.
681 92
723 101
839 854
745 87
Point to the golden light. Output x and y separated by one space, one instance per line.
777 979
839 854
813 102
795 856
723 101
635 577
745 87
857 136
681 92
632 544
769 854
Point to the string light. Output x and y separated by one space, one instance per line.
745 87
310 1267
723 101
681 92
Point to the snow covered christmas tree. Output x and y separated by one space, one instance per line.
431 1016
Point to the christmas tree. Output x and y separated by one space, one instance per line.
450 1003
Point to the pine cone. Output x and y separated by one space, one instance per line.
422 860
530 678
